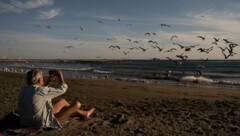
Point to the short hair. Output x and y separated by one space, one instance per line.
33 76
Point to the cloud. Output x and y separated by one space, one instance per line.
226 21
19 6
45 15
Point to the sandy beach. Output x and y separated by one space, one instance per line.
129 108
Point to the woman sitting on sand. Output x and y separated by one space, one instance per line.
35 102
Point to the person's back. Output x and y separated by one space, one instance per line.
35 102
35 105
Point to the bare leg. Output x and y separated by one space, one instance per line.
62 110
60 105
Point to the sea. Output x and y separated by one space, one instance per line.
212 73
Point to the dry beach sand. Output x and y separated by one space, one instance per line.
128 108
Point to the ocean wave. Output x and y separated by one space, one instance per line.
227 82
199 79
102 71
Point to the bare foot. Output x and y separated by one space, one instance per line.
89 113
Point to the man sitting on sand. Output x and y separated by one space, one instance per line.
35 102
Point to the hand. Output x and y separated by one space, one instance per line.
59 75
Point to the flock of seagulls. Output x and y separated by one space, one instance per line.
227 51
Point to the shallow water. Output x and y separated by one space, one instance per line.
213 73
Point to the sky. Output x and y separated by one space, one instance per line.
93 29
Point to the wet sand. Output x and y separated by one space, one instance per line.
128 108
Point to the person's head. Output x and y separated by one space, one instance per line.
35 77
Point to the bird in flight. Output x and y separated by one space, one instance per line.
125 52
171 50
81 28
154 33
77 38
68 47
159 49
174 61
142 49
147 34
205 50
182 57
226 41
174 36
129 40
166 25
100 22
153 42
201 37
136 42
113 47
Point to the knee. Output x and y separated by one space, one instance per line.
77 104
63 100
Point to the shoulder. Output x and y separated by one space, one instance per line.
42 90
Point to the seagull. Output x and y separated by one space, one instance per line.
165 25
136 42
77 38
133 48
112 46
203 38
174 36
142 49
129 40
171 50
153 42
226 41
147 34
183 57
129 24
111 39
205 50
203 61
68 47
154 33
216 39
174 61
81 28
125 52
159 49
100 22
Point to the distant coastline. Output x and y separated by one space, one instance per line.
62 60
93 60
